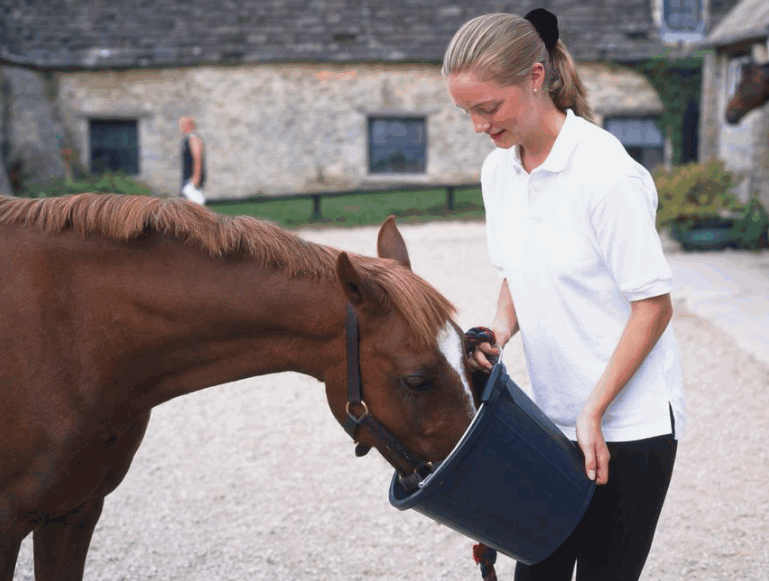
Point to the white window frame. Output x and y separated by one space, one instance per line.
388 116
672 34
658 146
734 74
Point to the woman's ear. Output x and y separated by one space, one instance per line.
537 76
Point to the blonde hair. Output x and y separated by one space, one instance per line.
503 48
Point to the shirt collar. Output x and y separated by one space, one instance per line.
565 142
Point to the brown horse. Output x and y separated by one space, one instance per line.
752 92
111 305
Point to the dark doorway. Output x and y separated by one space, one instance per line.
690 133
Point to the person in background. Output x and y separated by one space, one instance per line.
570 220
193 162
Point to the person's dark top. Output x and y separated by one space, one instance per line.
187 163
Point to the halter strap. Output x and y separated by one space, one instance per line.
377 430
354 386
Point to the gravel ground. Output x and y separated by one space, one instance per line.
254 479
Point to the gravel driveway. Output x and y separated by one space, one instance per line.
254 480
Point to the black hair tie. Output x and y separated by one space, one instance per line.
546 24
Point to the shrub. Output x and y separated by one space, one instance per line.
108 183
695 192
751 229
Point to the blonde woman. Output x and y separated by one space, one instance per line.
571 229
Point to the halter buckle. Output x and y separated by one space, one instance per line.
363 415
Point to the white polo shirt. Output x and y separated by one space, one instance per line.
576 241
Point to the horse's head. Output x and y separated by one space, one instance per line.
414 382
752 92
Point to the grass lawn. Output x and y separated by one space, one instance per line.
362 209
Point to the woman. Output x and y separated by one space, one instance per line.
571 228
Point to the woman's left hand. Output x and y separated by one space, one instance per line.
591 442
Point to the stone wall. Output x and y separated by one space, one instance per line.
5 184
761 160
274 129
267 128
31 132
710 120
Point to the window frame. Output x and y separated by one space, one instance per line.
136 153
673 34
389 116
660 148
733 78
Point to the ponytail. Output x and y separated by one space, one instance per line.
565 87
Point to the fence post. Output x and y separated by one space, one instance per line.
316 215
450 197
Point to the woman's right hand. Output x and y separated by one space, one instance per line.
485 354
483 357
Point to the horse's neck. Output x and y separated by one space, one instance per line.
192 322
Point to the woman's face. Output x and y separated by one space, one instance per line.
506 114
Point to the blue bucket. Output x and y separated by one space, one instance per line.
514 482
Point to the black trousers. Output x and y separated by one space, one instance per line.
613 539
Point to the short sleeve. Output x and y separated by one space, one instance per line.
491 195
624 225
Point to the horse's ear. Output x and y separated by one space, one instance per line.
390 243
362 292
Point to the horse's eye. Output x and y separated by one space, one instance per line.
417 382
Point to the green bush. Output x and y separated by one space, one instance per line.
751 228
694 193
108 183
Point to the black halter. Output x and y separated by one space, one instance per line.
382 436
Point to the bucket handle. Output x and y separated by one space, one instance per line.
494 375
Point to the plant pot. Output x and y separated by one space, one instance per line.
705 233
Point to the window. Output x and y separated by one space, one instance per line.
682 20
641 137
397 145
114 146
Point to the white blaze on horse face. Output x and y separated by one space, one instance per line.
450 345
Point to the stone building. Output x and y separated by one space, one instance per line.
741 36
294 96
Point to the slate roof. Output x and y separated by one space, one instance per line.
749 20
90 34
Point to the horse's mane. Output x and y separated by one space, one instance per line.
125 218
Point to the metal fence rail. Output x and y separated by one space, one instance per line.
317 197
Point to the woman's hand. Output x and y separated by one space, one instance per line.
484 355
479 358
591 442
504 326
648 320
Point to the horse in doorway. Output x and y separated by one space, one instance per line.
752 92
111 305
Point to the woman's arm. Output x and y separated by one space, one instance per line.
648 320
505 325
